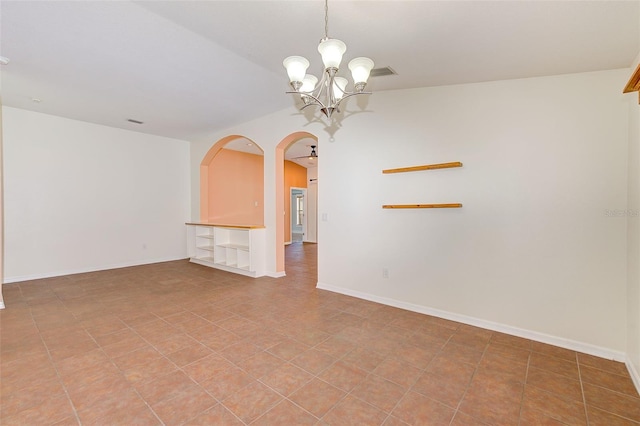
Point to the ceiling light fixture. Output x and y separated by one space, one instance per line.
313 154
4 60
331 90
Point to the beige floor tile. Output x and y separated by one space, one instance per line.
317 397
252 401
178 343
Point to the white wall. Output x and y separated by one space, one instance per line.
82 197
633 239
532 248
2 306
312 205
532 252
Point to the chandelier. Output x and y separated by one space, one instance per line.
332 89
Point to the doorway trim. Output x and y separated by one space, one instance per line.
305 206
280 149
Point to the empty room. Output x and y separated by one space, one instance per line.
320 212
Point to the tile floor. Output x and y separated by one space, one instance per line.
177 343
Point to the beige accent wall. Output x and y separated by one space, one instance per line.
236 188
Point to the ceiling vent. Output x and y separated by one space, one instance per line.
382 72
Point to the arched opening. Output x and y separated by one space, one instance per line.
281 196
232 182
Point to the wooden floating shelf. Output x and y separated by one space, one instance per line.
425 167
634 83
423 206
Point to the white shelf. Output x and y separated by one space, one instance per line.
233 265
234 246
230 248
207 236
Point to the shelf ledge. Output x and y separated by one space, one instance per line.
208 236
234 246
633 85
223 225
204 258
424 167
423 206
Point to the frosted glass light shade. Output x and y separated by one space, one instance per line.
309 83
339 87
296 67
360 69
332 51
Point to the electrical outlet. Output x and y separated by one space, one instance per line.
385 273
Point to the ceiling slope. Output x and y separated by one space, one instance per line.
189 68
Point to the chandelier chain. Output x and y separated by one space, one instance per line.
326 19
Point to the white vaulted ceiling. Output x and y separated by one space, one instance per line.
189 68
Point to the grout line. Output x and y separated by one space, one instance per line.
147 404
284 397
470 380
524 388
584 398
59 376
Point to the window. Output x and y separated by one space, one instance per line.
299 209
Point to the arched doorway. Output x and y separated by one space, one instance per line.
232 182
280 193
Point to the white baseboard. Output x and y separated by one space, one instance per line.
276 274
490 325
20 278
2 305
633 372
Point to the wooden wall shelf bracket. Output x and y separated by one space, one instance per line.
424 167
422 206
